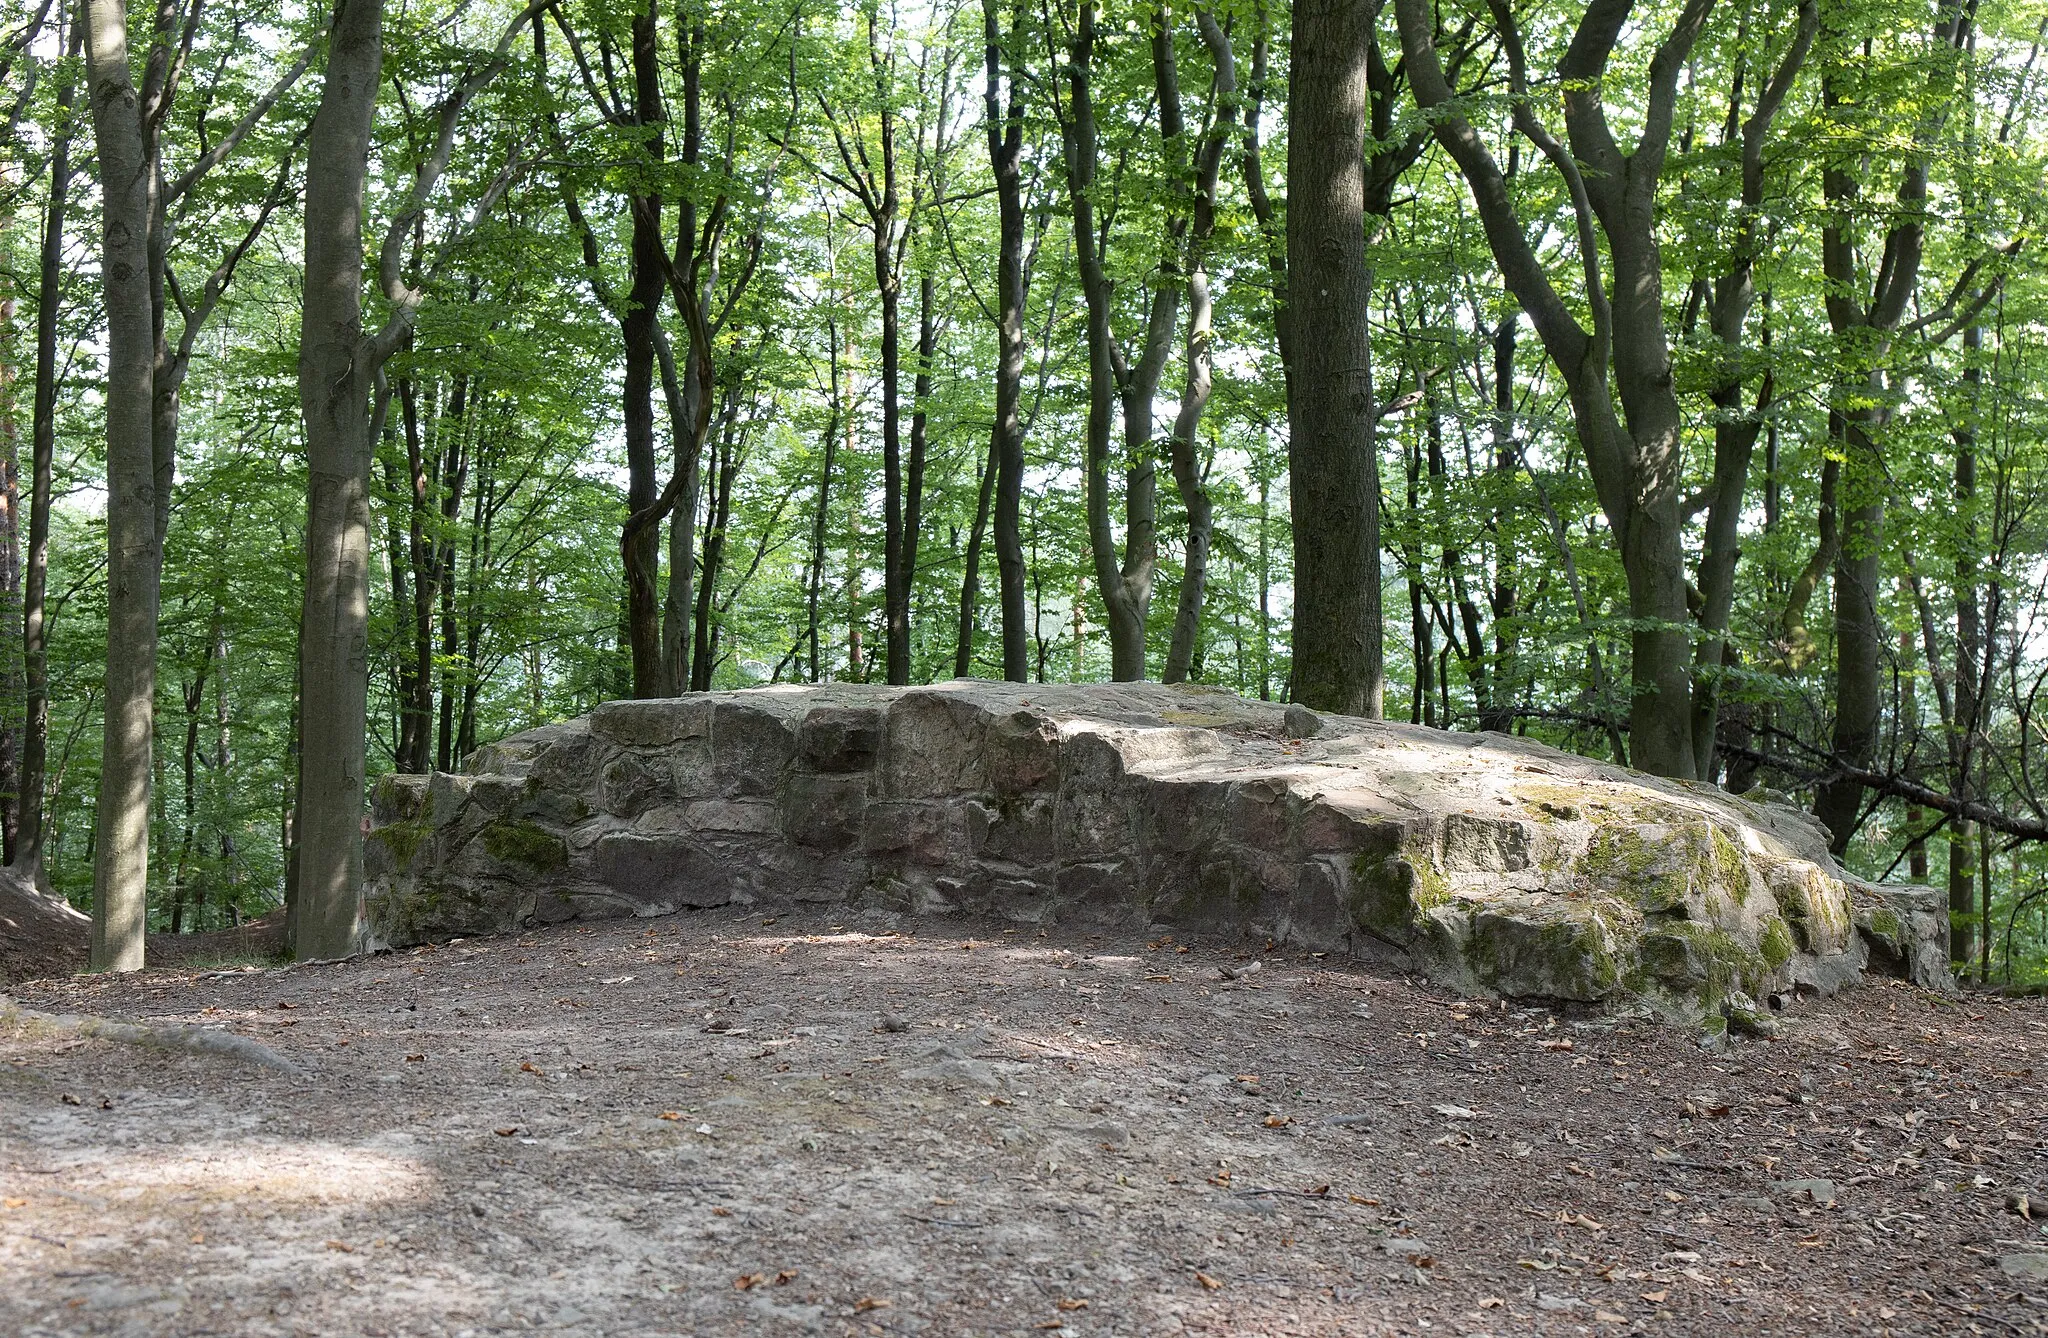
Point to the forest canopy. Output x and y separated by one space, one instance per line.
1663 381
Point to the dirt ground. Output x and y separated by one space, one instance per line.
723 1123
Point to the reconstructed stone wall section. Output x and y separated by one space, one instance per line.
1494 864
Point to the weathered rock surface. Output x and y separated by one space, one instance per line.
1492 864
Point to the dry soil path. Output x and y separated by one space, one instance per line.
724 1124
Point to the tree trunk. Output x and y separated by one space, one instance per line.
1865 317
1115 384
970 570
638 325
821 519
726 457
10 582
1332 450
1005 120
33 825
325 919
920 429
121 830
1618 373
1859 631
1182 649
1970 675
1497 713
895 580
679 601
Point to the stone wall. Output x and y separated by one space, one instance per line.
1493 864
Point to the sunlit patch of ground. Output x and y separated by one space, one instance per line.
728 1123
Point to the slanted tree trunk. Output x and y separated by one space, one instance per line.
1332 449
1624 360
1116 385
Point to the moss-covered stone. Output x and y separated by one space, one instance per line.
1545 952
517 841
1393 889
1730 869
1775 944
1657 877
403 839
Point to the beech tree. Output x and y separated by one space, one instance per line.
708 344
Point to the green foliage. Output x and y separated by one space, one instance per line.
499 474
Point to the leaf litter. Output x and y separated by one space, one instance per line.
1037 1136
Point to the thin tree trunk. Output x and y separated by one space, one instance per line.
726 455
1005 121
821 519
920 430
970 572
1497 713
27 857
1864 319
1182 649
1970 665
1115 384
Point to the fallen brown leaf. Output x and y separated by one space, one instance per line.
867 1303
1208 1283
1072 1303
341 1245
748 1281
506 1133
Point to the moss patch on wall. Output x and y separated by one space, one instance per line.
517 841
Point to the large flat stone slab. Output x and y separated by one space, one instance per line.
1490 863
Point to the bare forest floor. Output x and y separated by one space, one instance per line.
723 1123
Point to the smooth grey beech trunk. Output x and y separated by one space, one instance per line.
121 842
1332 450
326 916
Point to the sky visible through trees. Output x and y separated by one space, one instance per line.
1663 381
